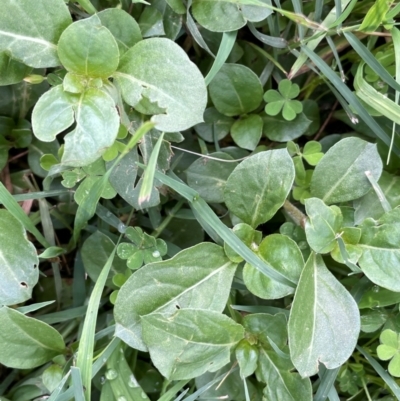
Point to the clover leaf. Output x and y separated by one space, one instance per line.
282 100
390 349
143 249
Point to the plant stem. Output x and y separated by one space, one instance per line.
168 219
87 6
297 216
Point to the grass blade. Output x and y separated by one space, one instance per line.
56 392
86 345
169 395
326 387
15 209
148 180
77 384
40 194
371 60
225 48
279 43
349 96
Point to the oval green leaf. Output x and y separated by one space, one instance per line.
159 70
197 277
190 342
259 185
26 343
88 48
346 161
19 271
324 321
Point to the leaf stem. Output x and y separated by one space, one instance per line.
168 219
297 216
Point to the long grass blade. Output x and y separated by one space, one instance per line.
349 96
371 60
86 344
326 387
77 384
279 43
169 395
15 209
225 48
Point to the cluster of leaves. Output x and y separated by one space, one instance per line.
258 260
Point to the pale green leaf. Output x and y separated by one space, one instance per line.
247 131
19 271
259 185
324 321
347 161
88 48
159 70
190 342
26 343
123 27
197 277
30 30
322 225
235 90
283 254
380 260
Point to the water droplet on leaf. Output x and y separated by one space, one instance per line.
156 254
111 374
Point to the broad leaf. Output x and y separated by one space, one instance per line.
380 240
228 15
259 185
322 225
347 161
30 30
88 48
208 177
324 321
190 342
215 125
159 70
247 131
12 71
277 129
197 277
19 271
123 26
25 342
97 123
235 90
283 254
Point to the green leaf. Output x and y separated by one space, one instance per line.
228 15
380 260
159 70
247 356
208 177
375 15
259 185
97 123
278 129
190 342
88 48
324 321
283 254
95 251
322 225
19 271
26 343
346 161
235 90
30 31
197 277
370 205
123 27
247 131
378 297
12 71
388 349
215 125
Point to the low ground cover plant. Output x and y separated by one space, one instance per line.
200 199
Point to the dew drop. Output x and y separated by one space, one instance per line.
132 382
156 254
121 228
375 288
121 398
143 394
111 374
102 380
354 119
